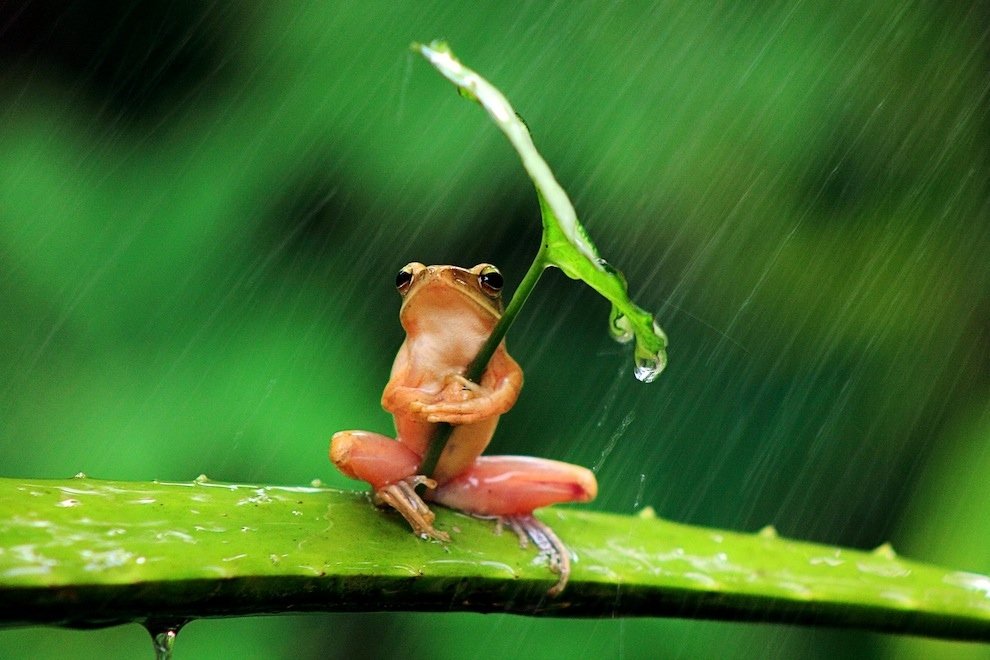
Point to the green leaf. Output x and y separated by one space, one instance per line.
86 552
565 242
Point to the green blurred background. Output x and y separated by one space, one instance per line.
203 205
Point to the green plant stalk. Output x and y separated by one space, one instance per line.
84 552
480 362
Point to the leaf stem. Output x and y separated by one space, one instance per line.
477 367
519 298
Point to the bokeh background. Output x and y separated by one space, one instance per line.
203 205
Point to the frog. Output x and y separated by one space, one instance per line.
447 313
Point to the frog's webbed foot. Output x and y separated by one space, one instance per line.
530 528
402 496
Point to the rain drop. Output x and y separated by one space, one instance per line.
649 366
647 513
642 488
610 269
163 635
768 532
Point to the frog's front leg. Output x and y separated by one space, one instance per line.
510 488
390 467
461 401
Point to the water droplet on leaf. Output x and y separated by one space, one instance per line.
611 270
649 366
768 532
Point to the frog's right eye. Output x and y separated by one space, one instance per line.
490 280
404 279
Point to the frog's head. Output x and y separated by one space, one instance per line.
449 292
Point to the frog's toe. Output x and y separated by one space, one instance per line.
459 412
402 496
530 528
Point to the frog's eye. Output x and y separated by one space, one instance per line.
404 279
490 280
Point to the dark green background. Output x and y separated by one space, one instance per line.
202 208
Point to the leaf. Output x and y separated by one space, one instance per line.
565 242
86 552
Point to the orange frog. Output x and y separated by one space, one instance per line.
447 313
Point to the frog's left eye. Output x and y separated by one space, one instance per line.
490 280
404 279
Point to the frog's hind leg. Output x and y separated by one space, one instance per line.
390 467
510 488
516 485
372 457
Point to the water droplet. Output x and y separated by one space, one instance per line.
826 561
647 513
899 599
610 269
706 581
79 475
201 479
641 490
796 590
68 503
648 367
316 483
970 581
886 569
163 636
768 532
